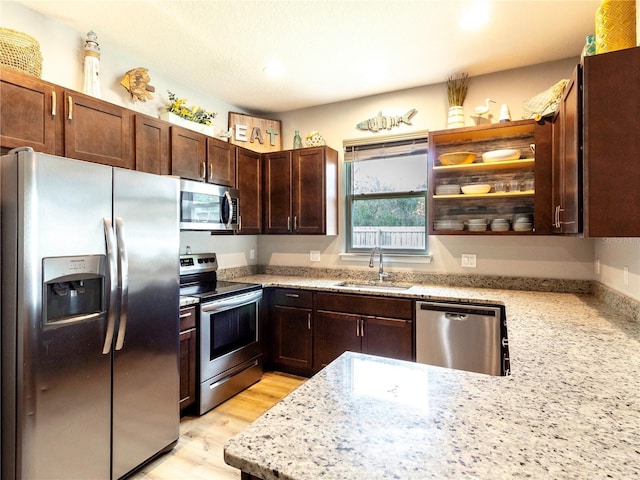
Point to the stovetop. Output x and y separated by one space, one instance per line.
208 290
199 279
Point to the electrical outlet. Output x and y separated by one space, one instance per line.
469 260
252 254
626 276
314 255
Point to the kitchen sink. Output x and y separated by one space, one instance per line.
374 286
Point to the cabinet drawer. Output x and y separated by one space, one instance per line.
366 305
292 297
187 318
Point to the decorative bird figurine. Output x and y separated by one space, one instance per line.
226 134
483 109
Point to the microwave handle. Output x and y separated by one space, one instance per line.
227 221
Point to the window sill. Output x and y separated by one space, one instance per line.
389 257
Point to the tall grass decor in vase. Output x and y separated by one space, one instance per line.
457 87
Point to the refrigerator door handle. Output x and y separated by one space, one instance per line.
123 282
112 286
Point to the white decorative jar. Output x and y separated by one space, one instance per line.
182 122
456 117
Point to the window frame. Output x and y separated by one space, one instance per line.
350 197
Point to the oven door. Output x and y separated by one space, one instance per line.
229 333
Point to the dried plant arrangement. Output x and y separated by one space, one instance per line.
457 87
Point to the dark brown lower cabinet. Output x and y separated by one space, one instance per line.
311 329
291 318
187 357
362 323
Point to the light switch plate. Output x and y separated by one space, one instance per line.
469 260
314 255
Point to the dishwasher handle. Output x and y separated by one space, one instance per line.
460 309
460 317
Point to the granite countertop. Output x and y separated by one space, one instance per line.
569 409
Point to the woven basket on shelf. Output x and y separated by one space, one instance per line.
21 52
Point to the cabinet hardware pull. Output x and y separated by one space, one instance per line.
295 223
54 103
288 224
292 295
239 223
361 327
185 315
358 328
210 171
308 321
203 169
70 108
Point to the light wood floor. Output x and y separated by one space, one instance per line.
199 452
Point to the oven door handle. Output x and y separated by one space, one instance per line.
231 302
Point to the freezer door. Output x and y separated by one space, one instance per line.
146 412
56 382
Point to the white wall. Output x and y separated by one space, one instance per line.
613 255
554 257
63 59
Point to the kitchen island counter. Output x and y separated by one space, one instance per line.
569 409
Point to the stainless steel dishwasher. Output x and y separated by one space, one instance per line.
463 336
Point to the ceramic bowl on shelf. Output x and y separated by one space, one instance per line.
476 188
503 155
448 225
500 225
448 189
477 224
456 158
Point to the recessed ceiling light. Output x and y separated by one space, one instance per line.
274 69
475 15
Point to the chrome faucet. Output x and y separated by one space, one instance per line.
381 273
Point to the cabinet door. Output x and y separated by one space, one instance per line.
612 143
187 368
277 193
188 154
221 158
28 114
567 172
388 337
293 342
308 191
249 183
97 131
152 145
335 333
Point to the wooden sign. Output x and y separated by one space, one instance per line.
255 133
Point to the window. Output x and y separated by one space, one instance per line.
386 196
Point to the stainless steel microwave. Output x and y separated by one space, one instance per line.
204 206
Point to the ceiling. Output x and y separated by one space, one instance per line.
327 47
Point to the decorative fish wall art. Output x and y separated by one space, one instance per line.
379 122
136 82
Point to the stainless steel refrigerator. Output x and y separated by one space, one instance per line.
89 326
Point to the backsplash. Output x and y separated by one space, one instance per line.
625 305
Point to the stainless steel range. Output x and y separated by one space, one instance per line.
228 329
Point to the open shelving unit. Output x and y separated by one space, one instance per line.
501 204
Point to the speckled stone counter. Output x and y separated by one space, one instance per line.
570 409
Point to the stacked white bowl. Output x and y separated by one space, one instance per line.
523 222
477 224
449 225
448 189
500 225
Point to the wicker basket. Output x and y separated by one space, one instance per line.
21 52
